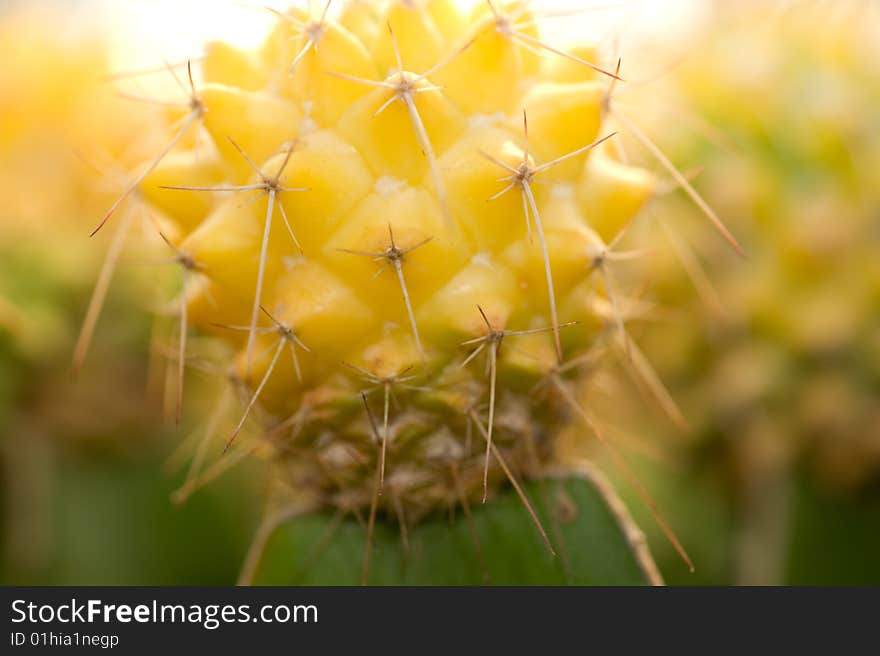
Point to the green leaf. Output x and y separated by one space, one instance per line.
319 549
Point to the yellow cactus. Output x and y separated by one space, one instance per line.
401 225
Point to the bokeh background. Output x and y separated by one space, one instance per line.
771 108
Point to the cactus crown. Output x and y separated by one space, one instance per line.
452 203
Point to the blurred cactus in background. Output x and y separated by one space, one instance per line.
61 142
778 368
80 476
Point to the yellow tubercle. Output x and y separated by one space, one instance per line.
386 132
471 180
430 253
257 121
191 168
391 357
335 178
226 64
413 32
449 19
611 193
486 77
324 311
562 119
363 19
564 70
227 246
305 63
451 316
522 367
568 245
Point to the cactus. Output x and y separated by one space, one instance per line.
786 381
419 327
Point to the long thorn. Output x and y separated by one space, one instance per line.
519 36
247 158
201 453
99 295
401 521
253 187
634 535
287 225
287 17
395 47
385 412
501 193
409 310
295 358
371 524
302 53
152 101
446 60
181 354
255 395
695 271
516 486
475 352
666 163
526 214
189 75
615 307
527 190
286 161
625 469
498 162
363 80
213 472
170 69
574 153
264 249
119 75
493 371
655 385
425 143
134 184
257 548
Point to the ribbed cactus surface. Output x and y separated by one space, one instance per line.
398 225
404 222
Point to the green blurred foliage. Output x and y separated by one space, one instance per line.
106 519
85 496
